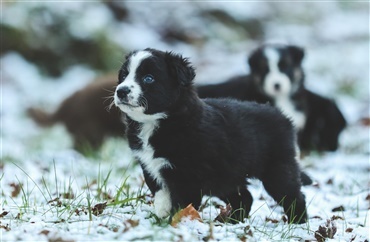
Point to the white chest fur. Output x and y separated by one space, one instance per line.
298 118
146 153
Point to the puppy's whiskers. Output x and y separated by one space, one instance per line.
109 99
143 102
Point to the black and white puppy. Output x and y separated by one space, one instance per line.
277 77
189 147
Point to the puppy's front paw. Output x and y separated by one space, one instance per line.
162 203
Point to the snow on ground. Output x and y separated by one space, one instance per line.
49 192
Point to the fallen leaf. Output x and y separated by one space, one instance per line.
130 224
16 189
334 217
338 209
99 208
68 195
3 214
6 227
55 202
248 231
225 213
189 212
317 217
326 231
45 232
349 230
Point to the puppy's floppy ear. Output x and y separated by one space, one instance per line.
296 52
180 68
253 60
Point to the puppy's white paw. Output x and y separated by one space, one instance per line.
162 203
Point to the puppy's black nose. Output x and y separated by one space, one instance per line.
277 86
122 92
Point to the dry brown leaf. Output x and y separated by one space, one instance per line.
3 214
326 231
225 213
16 189
68 195
189 212
334 217
99 208
338 209
45 232
130 224
6 227
55 202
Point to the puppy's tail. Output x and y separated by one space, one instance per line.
40 117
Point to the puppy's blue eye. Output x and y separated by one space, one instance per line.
148 79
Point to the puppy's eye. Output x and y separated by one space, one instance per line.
122 74
148 79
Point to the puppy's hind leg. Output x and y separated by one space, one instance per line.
283 183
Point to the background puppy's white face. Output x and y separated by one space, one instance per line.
277 83
277 70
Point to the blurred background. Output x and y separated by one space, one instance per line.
51 49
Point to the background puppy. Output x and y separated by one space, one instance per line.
277 77
86 116
189 147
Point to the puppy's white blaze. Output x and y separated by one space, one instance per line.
287 108
162 203
272 56
130 80
275 76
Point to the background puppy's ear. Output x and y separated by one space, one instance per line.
181 68
253 61
297 53
256 60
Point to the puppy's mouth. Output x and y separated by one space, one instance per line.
120 102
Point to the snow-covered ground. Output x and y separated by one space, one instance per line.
49 192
